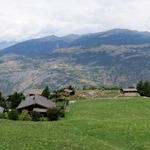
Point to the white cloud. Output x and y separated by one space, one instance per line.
22 19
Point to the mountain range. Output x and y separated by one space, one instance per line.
5 44
115 57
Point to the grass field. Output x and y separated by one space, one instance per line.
109 124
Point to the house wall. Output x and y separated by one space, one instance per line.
30 108
130 94
1 110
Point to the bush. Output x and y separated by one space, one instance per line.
55 95
84 87
53 113
62 113
92 88
110 88
61 105
35 116
67 102
2 116
43 119
6 115
13 115
25 115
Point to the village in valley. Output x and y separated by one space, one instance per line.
37 104
41 104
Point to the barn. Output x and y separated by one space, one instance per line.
36 103
129 92
33 92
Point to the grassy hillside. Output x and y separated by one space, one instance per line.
112 124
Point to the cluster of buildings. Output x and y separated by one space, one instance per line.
35 102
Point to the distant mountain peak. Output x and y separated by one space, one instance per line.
49 43
127 31
70 37
50 38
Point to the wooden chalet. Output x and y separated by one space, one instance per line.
68 92
129 92
36 103
33 92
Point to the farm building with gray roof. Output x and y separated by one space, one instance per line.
36 103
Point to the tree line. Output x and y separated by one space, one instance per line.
143 88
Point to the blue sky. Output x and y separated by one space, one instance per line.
24 19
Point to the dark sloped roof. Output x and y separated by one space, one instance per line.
37 99
129 90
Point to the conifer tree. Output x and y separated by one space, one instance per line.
46 92
15 99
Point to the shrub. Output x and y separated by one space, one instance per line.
92 88
62 113
61 105
67 102
110 88
53 113
35 116
55 95
43 119
60 90
6 115
2 116
84 87
13 115
25 115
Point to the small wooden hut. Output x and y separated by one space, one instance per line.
33 92
129 92
68 92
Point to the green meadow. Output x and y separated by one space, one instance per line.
97 124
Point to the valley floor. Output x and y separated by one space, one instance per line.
109 124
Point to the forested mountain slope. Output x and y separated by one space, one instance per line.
116 57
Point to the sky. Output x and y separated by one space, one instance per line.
26 19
